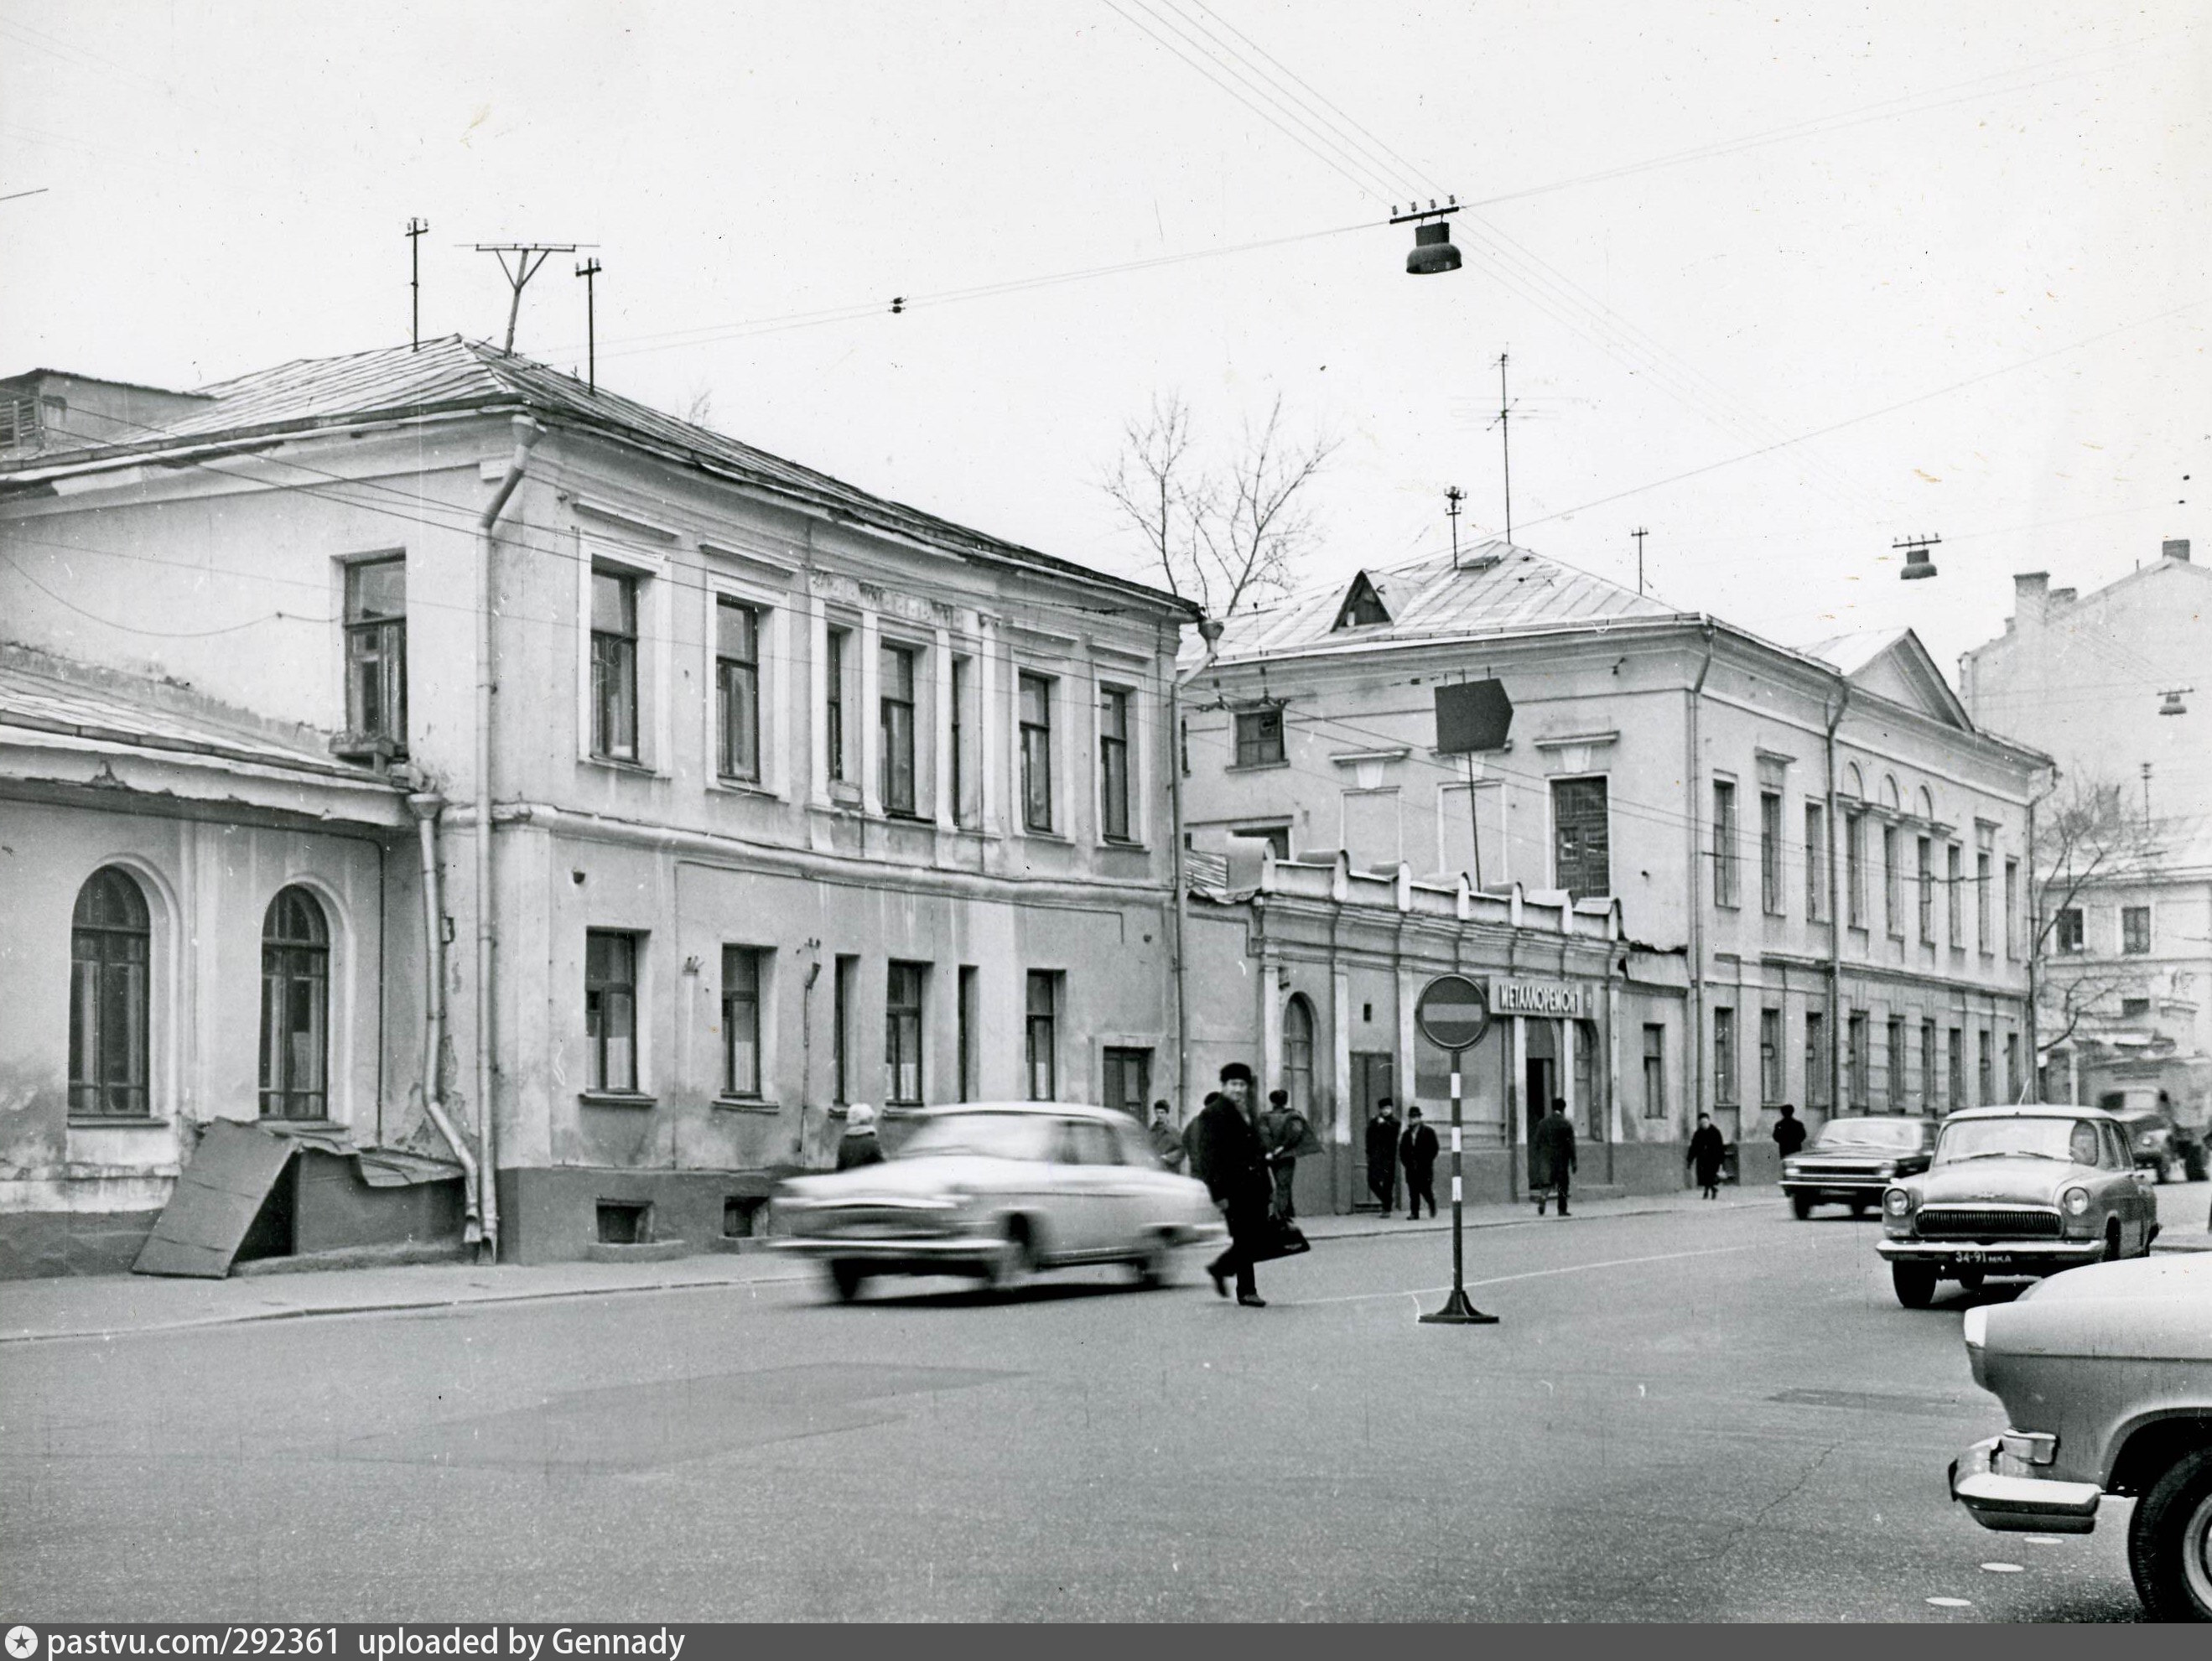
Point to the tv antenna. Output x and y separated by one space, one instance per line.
1504 423
589 270
1453 497
528 257
1639 533
415 228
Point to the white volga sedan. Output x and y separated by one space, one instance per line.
999 1190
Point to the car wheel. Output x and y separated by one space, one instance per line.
846 1280
1156 1268
1802 1205
1915 1284
1015 1260
1970 1279
2170 1542
1858 1209
2113 1242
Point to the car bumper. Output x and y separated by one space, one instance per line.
1838 1187
1995 1257
946 1253
2020 1504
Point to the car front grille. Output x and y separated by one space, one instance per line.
877 1222
1987 1223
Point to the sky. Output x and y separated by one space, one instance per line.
1783 285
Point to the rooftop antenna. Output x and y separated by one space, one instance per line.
1504 423
2145 779
1639 533
414 229
1453 497
528 257
590 269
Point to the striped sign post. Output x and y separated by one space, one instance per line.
1453 1014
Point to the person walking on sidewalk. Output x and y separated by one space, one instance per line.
1382 1155
1788 1132
1416 1152
1552 1152
859 1146
1167 1145
1282 1129
1226 1155
1706 1151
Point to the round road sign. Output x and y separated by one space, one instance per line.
1454 1013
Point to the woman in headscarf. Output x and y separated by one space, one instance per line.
859 1146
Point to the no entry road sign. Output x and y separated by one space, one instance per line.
1454 1013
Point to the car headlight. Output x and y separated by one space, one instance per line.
1888 1170
1789 1167
1896 1202
2149 1139
2077 1202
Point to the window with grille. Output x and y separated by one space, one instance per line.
895 770
1725 833
741 1022
613 665
902 990
2135 929
1114 762
111 944
295 1004
1037 755
376 650
1260 736
736 690
1582 835
1041 1034
609 1012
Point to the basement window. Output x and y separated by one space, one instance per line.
740 1217
625 1222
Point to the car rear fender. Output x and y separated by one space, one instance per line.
2149 1447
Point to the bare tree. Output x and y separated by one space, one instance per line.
2087 839
1228 536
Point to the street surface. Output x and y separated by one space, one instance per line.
1715 1413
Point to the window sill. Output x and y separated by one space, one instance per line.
616 1098
730 786
745 1104
617 764
1256 766
1047 836
117 1122
1123 845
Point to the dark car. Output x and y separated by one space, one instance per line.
2151 1140
1850 1161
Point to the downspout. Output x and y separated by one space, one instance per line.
426 806
525 434
2034 956
1835 1058
1209 630
1697 888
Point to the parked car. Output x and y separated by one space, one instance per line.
997 1190
2150 1137
2016 1190
2105 1374
1851 1161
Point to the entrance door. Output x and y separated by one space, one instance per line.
1540 1083
1374 1073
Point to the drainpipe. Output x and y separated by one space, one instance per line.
2034 956
426 806
1209 630
525 434
1835 923
1697 889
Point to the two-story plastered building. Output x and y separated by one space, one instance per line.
667 796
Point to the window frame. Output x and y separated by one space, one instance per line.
1954 876
1655 1070
1773 1085
1770 853
906 1005
1034 744
1855 868
1817 1039
733 670
1984 867
378 644
1928 1062
290 964
1816 862
112 956
1596 854
1858 1061
1116 821
742 1010
1892 886
2069 935
1042 1024
597 1032
1727 1092
2135 943
1263 744
1727 890
898 750
615 654
1894 1040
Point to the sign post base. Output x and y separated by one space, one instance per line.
1457 1311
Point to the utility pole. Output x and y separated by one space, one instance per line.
1453 497
1639 533
414 229
590 269
1505 439
528 257
2145 779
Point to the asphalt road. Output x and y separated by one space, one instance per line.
1719 1415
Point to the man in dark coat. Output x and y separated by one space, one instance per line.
1382 1155
1282 1129
1706 1151
1552 1151
1226 1154
1788 1131
1416 1152
1167 1145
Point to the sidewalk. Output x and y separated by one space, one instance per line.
91 1306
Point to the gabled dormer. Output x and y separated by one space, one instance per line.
1363 607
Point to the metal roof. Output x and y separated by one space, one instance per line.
452 375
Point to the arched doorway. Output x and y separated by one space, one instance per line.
1298 1054
296 1002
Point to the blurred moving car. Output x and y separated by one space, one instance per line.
2016 1190
2175 1143
2150 1136
2105 1374
997 1190
1850 1161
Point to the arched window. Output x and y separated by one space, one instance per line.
1298 1054
110 942
295 1000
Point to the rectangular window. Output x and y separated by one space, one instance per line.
958 761
1858 1061
833 706
1770 853
970 1015
1037 755
736 690
1982 903
1957 882
1771 1086
895 706
1927 851
2012 910
2135 930
376 650
1724 1081
2134 1008
1895 1064
1128 1080
2067 926
1114 762
1583 838
613 665
1724 889
1928 1099
842 975
741 1022
1985 1068
1893 915
1816 863
1260 736
2012 1065
1655 1071
611 1011
1816 1059
1041 1034
902 990
1855 868
1954 1081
